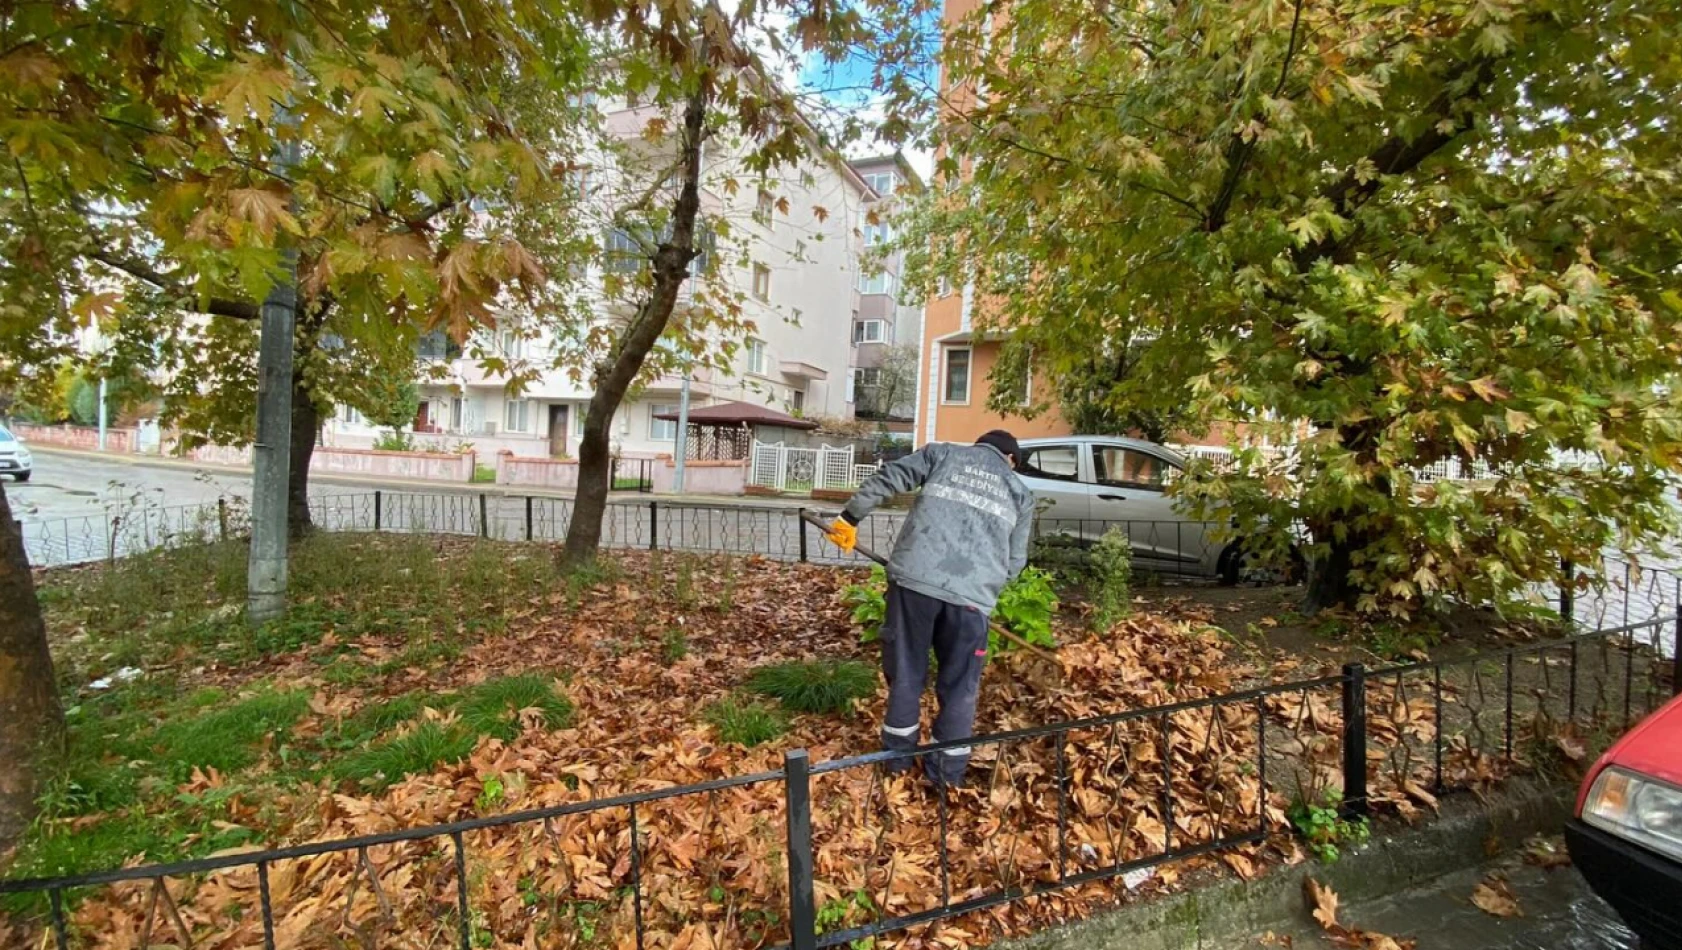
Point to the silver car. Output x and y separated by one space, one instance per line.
14 456
1086 485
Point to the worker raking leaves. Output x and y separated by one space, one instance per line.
965 539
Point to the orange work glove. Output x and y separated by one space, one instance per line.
843 535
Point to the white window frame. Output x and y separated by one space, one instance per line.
861 331
943 287
765 206
883 183
877 234
761 275
879 283
946 375
756 356
510 344
516 409
656 426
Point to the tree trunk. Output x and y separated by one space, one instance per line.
1329 583
306 423
30 716
1329 586
619 370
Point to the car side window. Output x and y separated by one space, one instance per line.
1129 468
1057 462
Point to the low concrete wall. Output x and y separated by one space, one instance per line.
425 466
1468 833
76 437
527 472
702 478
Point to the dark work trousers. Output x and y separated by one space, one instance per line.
916 622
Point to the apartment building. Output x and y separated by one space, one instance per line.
793 254
888 316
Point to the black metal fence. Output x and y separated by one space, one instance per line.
1061 805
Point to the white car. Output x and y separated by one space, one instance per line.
1085 485
15 459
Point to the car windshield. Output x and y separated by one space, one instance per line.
6 436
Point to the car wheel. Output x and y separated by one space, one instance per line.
23 476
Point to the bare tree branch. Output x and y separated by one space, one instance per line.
215 306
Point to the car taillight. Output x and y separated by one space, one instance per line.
1638 809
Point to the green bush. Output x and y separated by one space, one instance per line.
870 604
827 686
1026 607
393 440
747 723
1109 579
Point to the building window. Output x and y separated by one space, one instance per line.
661 430
879 233
516 415
943 287
455 413
869 331
798 401
349 415
956 376
877 283
883 183
510 344
756 357
765 207
622 253
762 282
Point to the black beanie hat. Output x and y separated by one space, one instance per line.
1004 442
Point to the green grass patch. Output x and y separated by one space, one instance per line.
226 739
493 708
826 686
746 722
674 646
415 752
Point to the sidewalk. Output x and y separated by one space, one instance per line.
421 485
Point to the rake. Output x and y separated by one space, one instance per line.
997 628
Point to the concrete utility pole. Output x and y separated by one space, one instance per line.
102 413
272 455
682 447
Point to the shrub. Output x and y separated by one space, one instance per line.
393 440
827 686
869 601
1026 606
1110 579
747 723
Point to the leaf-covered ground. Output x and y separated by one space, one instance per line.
421 681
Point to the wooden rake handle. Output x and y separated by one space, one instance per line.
997 628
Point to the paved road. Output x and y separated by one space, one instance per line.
74 486
1560 913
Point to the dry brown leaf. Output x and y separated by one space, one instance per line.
1494 898
1546 853
1322 901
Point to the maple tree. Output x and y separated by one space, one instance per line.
1433 232
141 193
713 122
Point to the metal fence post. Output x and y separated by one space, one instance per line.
800 524
484 515
802 904
1354 740
1568 591
653 525
528 518
222 517
379 508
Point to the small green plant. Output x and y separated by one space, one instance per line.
393 440
483 474
491 794
1323 829
727 586
826 686
674 646
1110 579
1026 606
869 602
746 722
684 587
841 913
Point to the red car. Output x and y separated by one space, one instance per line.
1626 836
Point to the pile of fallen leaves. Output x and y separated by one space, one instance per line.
708 869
